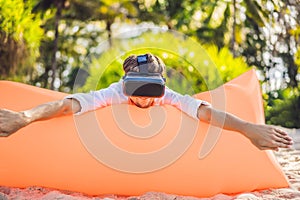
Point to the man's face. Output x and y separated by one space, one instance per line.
142 102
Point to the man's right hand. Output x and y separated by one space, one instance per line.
11 121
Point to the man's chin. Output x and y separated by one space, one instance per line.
143 106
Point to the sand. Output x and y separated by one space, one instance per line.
289 159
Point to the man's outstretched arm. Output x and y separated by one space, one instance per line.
11 121
262 136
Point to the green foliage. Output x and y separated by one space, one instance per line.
228 66
283 108
20 35
17 20
190 67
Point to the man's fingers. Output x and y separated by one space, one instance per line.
276 142
283 138
281 143
269 148
284 135
280 131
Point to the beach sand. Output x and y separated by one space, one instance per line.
289 159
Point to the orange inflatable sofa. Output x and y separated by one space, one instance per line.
125 150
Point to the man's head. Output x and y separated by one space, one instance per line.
150 65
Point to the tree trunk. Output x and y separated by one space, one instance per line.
59 6
108 29
232 41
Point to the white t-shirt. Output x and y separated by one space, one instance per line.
114 95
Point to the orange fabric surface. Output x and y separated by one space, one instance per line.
125 150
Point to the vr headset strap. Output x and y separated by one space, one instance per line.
143 68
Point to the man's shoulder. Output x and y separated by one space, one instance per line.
169 91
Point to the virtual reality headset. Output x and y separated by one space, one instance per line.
143 83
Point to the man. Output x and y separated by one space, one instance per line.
145 68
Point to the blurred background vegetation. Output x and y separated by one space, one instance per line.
79 45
